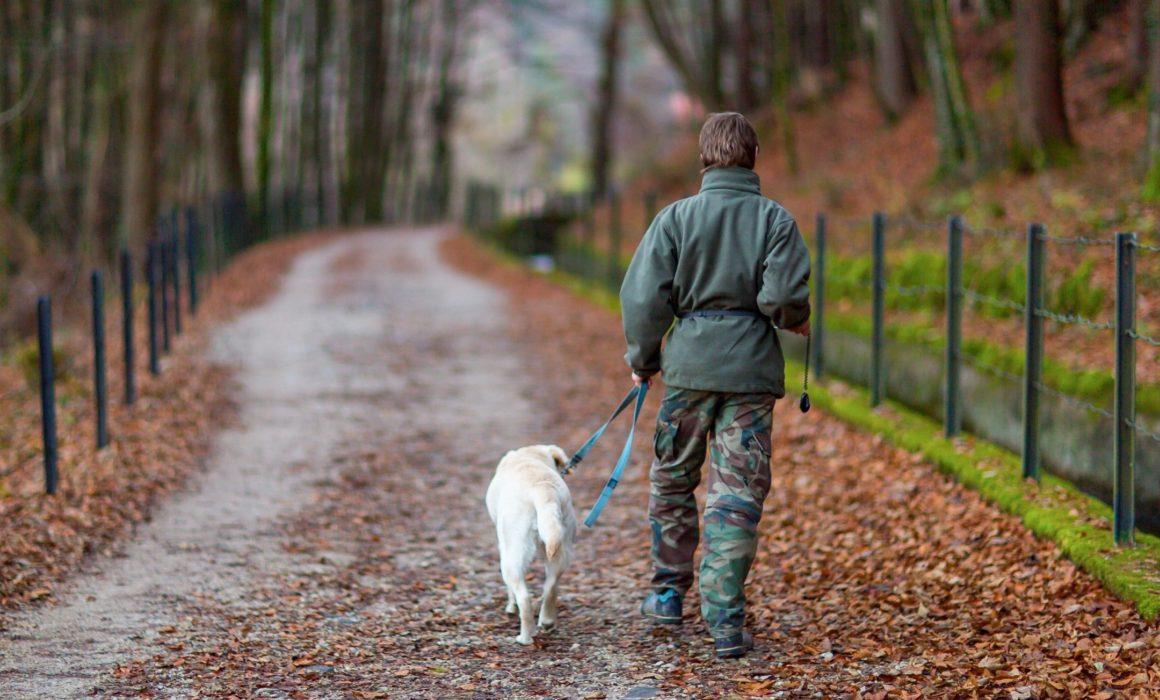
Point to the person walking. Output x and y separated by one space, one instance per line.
713 278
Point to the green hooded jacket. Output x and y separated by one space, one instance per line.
725 248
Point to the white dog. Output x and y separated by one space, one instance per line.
532 510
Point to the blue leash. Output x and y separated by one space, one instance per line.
638 393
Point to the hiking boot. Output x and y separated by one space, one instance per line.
734 646
663 607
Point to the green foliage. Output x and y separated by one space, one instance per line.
1077 295
528 235
850 278
1003 56
1122 95
1151 191
26 357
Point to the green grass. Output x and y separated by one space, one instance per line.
1053 509
1086 384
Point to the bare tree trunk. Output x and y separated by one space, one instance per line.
92 204
607 93
893 70
1137 67
265 111
1042 117
1152 180
783 79
226 70
375 97
443 113
715 44
957 133
321 114
140 193
745 90
699 67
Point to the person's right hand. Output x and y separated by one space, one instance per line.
802 329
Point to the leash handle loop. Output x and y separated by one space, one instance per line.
640 392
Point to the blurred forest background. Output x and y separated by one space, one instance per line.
366 111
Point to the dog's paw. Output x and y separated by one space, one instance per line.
547 625
510 609
523 639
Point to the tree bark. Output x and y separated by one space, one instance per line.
1042 117
783 79
226 70
321 113
893 69
1152 179
699 65
1137 67
141 185
265 110
604 109
443 113
958 136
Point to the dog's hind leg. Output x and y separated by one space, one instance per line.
548 604
513 576
511 604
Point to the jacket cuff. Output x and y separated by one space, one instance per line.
792 317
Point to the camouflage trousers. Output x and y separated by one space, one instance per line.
736 429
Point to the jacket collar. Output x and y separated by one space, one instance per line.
741 179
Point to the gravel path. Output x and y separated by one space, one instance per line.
313 380
338 545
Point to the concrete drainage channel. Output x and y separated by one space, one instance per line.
1076 445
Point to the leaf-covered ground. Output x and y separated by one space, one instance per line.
877 576
155 444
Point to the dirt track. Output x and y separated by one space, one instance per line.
337 545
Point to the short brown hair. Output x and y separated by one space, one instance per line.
727 141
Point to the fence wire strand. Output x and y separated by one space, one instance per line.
915 291
1142 431
1147 248
992 232
993 301
1075 320
1081 241
1144 338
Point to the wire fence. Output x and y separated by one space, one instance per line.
190 247
1025 295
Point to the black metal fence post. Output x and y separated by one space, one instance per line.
100 385
127 349
1033 370
175 275
878 333
952 414
818 326
162 261
1124 438
152 272
192 232
614 240
47 392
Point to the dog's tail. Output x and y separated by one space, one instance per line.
549 521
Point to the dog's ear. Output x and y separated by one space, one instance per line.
559 455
